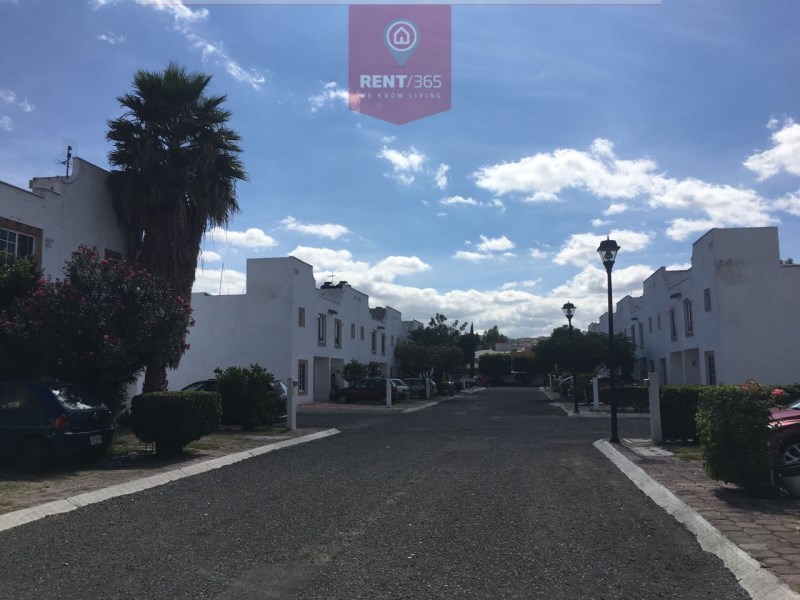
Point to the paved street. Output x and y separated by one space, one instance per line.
494 495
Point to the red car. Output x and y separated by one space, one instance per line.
785 439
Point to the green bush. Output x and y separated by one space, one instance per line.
678 411
633 397
248 399
174 419
732 422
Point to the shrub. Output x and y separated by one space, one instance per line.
634 397
353 371
678 411
174 419
248 399
732 422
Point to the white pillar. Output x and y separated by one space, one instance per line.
291 405
655 408
596 393
388 393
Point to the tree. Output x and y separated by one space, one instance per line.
438 332
493 336
353 371
495 367
100 325
443 343
587 350
18 276
176 166
414 358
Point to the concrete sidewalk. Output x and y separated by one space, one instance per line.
764 530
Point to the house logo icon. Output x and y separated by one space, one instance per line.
401 37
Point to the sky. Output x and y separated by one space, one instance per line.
650 124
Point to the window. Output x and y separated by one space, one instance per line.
302 377
374 339
15 244
337 333
711 368
321 329
362 333
301 317
687 317
392 341
352 331
633 335
707 299
383 344
658 321
673 329
650 324
652 367
663 364
641 335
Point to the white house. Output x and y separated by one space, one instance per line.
734 315
290 327
58 215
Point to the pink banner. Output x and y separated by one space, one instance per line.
400 61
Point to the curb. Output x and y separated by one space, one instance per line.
755 579
34 513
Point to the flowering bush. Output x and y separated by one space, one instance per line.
100 325
779 396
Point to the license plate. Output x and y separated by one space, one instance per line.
95 440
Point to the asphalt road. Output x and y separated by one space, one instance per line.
496 495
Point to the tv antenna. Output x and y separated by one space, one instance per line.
67 162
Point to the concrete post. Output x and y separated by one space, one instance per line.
388 393
655 408
596 393
291 404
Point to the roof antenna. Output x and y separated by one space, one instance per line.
67 161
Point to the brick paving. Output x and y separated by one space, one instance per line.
766 528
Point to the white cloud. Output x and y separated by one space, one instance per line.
217 52
679 267
581 248
26 106
543 176
5 122
404 163
495 244
359 274
441 176
516 284
789 203
208 256
783 156
326 230
599 222
111 38
330 95
725 206
8 96
216 281
254 239
615 209
179 11
471 256
453 200
537 253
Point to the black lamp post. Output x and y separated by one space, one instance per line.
569 312
608 253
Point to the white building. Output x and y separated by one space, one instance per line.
58 215
734 315
291 328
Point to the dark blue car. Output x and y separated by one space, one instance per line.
43 420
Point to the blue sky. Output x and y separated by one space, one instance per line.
568 123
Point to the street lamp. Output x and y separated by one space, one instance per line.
569 312
608 253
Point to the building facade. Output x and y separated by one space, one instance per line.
58 215
734 315
290 327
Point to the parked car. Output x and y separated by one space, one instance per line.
43 420
785 438
278 386
372 389
416 387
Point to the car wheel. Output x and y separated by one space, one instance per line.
34 455
342 398
791 454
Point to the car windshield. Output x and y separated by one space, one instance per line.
796 405
77 397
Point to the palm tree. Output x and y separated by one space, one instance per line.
176 164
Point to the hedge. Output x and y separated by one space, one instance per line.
248 399
678 412
635 397
733 425
174 419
